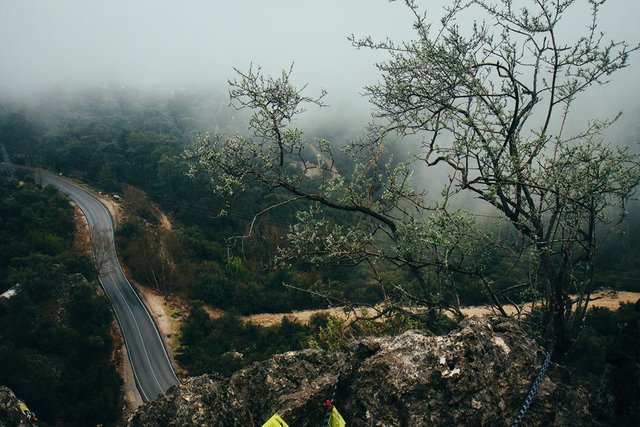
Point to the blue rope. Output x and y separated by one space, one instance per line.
533 390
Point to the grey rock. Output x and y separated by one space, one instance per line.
10 413
477 375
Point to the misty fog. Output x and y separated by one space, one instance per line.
169 45
128 51
166 44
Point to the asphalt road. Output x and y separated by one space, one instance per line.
152 369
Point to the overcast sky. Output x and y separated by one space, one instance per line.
172 44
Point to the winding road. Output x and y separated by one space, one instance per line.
151 366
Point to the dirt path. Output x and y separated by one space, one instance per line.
605 299
164 219
169 324
610 299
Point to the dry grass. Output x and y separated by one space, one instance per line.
608 299
81 239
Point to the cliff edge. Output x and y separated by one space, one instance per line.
478 374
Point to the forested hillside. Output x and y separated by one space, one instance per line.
314 176
134 148
119 141
56 347
116 144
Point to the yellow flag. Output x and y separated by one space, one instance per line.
335 420
275 421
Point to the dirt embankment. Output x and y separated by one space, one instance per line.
168 313
165 311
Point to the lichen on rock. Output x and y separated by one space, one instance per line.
478 374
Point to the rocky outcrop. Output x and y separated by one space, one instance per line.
11 413
477 375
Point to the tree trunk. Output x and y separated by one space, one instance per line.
560 307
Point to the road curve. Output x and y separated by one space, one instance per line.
151 366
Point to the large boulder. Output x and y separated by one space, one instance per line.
477 375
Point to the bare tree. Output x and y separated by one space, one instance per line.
492 105
102 248
389 223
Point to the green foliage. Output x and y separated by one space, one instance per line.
55 342
227 344
35 222
115 140
20 135
600 335
332 333
111 140
237 287
616 263
184 259
145 255
606 361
